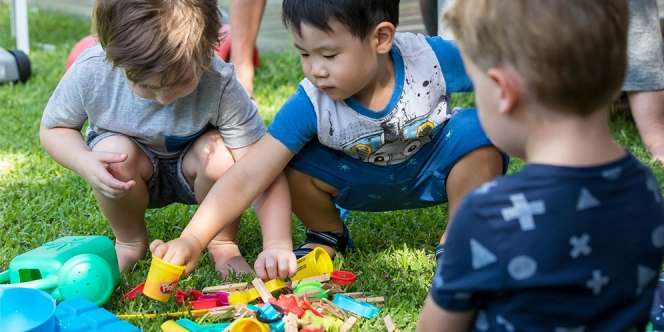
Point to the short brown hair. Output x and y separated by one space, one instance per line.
171 39
570 54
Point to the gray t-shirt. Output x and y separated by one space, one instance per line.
94 90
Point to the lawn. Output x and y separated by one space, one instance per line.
42 201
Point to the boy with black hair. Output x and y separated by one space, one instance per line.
369 128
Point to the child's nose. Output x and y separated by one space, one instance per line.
319 71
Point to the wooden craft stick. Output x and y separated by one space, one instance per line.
334 309
348 324
333 288
262 290
389 324
226 288
321 278
243 312
354 294
375 299
224 309
290 322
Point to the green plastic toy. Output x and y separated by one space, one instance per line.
68 268
312 288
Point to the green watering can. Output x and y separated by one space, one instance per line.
70 267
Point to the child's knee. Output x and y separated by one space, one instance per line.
208 157
474 169
485 162
136 167
301 182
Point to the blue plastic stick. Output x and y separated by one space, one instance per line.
362 309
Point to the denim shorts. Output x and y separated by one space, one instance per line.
416 183
167 184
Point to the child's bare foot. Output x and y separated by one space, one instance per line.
227 258
129 253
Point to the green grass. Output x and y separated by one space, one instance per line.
41 201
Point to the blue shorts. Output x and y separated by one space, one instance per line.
416 183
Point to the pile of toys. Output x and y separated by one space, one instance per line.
80 273
314 300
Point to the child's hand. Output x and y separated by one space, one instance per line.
275 263
95 172
184 250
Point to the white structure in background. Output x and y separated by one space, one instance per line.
19 24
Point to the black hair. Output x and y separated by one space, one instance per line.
359 16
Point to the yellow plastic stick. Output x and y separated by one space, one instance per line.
177 314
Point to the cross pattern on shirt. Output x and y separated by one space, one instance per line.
524 211
597 282
580 245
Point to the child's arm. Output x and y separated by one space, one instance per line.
273 208
229 196
67 147
435 318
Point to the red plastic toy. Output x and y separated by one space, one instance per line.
343 278
131 295
289 304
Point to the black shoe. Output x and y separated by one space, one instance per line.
338 242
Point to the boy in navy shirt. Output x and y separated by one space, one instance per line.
572 242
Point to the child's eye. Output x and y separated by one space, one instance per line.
304 55
331 56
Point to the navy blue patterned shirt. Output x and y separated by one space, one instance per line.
559 249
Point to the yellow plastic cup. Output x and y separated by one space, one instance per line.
248 325
313 264
162 279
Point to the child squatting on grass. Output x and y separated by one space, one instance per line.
166 119
572 242
369 128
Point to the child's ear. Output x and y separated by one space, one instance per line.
383 36
509 89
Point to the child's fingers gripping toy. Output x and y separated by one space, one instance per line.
70 267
